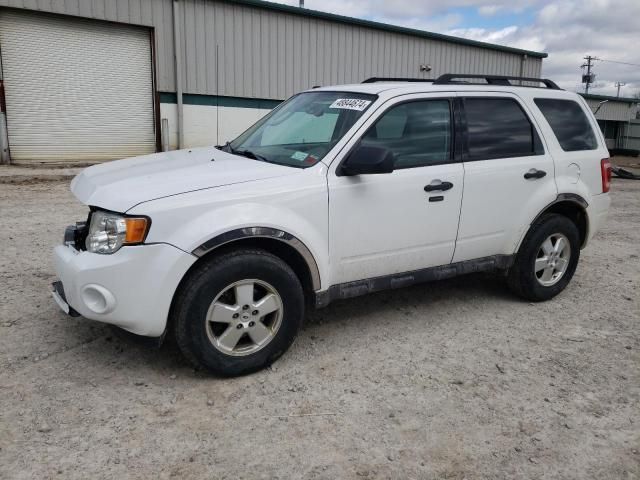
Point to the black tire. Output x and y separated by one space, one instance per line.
521 277
210 278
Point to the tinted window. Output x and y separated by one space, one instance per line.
569 124
499 128
418 133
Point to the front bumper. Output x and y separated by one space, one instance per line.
132 288
57 292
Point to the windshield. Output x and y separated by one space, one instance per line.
301 131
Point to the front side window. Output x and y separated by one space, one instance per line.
569 124
418 133
300 132
498 128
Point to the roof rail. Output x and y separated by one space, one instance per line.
450 78
396 79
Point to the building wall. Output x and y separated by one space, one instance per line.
612 110
240 50
209 125
631 135
234 51
613 118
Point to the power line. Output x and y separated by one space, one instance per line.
622 63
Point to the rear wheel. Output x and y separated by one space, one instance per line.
547 258
238 312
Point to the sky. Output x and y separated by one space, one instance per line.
567 30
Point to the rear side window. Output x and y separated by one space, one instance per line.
499 128
569 124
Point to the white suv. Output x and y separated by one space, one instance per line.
338 192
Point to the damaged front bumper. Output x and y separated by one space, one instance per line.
132 288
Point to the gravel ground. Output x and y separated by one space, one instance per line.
452 380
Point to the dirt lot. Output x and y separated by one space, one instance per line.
450 380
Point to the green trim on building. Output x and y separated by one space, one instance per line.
383 26
219 101
591 96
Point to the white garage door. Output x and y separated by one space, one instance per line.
75 90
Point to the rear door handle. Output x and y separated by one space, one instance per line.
534 173
438 185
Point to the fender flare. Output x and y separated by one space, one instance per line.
264 232
570 197
564 197
561 198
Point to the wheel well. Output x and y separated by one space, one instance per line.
280 249
575 213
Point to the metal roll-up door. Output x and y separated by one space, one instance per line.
76 90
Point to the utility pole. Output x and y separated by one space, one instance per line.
588 78
618 85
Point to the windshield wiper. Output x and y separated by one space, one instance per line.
226 148
250 154
244 153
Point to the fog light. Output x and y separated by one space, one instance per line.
98 299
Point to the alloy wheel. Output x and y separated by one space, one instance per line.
552 260
244 317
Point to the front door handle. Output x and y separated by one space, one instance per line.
438 185
533 173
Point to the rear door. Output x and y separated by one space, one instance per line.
509 174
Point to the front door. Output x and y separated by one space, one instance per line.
382 224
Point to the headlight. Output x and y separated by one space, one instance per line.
110 231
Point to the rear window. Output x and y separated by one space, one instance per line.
499 128
569 124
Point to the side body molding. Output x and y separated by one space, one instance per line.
264 232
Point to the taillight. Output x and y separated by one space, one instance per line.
605 168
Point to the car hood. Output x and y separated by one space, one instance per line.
122 184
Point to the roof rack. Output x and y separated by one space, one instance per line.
396 79
450 78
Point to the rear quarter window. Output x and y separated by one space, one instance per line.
569 123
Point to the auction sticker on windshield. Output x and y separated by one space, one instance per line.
350 104
300 156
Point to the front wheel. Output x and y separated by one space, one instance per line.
547 258
238 312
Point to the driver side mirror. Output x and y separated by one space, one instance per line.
368 160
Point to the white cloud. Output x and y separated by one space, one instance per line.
489 10
567 30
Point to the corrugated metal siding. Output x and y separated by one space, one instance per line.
631 132
265 54
612 110
76 89
269 54
151 13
